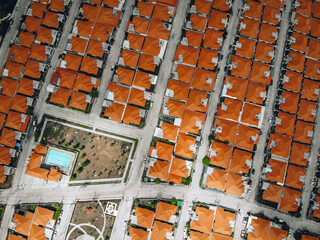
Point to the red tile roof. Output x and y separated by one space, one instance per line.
32 24
198 22
38 52
228 131
151 46
312 69
294 175
303 24
130 58
120 93
230 109
278 171
176 108
251 114
297 62
221 154
26 38
247 137
192 121
157 29
291 102
162 12
189 54
183 145
237 89
107 17
234 184
5 103
283 144
299 154
259 73
288 200
142 80
140 24
7 138
162 151
287 123
255 9
215 19
301 42
9 86
159 170
145 8
262 52
78 44
61 96
131 115
247 47
251 29
307 110
255 92
18 54
304 132
239 161
84 83
38 9
203 79
31 69
270 14
295 81
135 41
125 75
243 66
180 89
5 157
114 112
73 61
12 69
315 28
101 32
147 62
310 90
207 58
78 101
84 28
45 35
194 38
19 103
185 73
89 65
51 19
137 97
198 101
57 5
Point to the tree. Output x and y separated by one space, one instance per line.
94 93
157 180
73 176
206 161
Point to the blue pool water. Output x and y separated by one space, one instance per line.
58 158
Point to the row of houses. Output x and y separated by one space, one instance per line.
186 101
238 122
291 135
129 94
77 78
24 71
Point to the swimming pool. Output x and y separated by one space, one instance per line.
59 158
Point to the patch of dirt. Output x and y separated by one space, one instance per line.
6 184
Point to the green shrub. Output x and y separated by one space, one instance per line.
206 161
73 176
157 180
80 169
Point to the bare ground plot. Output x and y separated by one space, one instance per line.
91 212
99 157
2 208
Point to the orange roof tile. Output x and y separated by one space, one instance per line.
198 22
160 230
278 171
310 90
32 69
120 93
315 28
234 184
114 112
5 157
314 48
42 216
19 103
223 218
230 109
243 66
239 161
307 110
40 149
162 151
145 8
297 62
7 138
255 9
194 38
137 97
299 154
12 69
112 3
168 2
258 73
90 12
273 193
51 19
61 96
216 236
107 17
176 108
78 101
287 123
208 58
203 79
163 12
178 170
9 86
2 175
78 44
228 130
84 28
307 237
57 5
198 236
275 3
142 79
316 9
32 24
294 83
15 121
169 131
205 220
14 237
38 173
185 73
216 18
179 90
264 52
101 32
138 234
312 69
2 119
251 114
301 42
132 115
139 24
159 170
85 83
251 29
38 52
260 229
165 211
157 29
38 9
235 87
304 132
89 65
36 233
151 46
18 54
288 200
203 6
294 175
270 14
316 212
221 154
130 58
98 2
135 41
247 47
147 62
185 54
192 121
290 103
26 38
217 180
125 75
283 144
45 35
66 78
198 101
72 61
5 103
255 92
222 5
247 137
303 24
277 233
185 146
23 223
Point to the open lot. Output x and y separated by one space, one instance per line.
99 157
2 208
